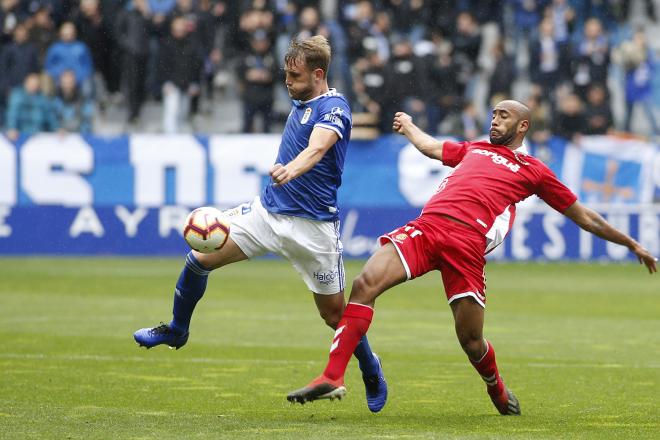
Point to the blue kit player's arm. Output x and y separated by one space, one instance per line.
320 141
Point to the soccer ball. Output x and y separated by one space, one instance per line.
206 229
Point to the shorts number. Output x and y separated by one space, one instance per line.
414 233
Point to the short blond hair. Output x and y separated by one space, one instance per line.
314 52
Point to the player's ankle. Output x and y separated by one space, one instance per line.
498 390
178 328
325 379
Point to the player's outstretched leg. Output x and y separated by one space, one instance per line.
330 308
504 400
189 290
383 270
469 321
372 375
352 327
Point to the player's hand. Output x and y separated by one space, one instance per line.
401 122
13 134
645 258
280 174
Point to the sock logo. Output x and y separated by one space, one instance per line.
335 340
491 381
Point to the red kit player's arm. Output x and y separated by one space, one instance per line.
426 144
591 221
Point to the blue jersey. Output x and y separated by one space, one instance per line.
314 194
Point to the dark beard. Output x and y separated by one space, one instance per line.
303 95
505 139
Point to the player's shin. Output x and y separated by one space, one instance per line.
353 326
487 368
189 290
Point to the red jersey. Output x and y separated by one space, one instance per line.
487 181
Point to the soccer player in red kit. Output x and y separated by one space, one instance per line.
465 216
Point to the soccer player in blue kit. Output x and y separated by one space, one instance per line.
295 217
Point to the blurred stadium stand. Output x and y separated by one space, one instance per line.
482 56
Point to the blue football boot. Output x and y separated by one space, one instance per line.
376 388
163 334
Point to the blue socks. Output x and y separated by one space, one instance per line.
189 290
366 359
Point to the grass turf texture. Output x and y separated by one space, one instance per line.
577 343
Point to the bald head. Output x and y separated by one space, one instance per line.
517 108
510 123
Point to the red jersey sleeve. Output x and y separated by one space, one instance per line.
453 152
553 192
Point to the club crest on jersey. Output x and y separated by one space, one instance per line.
400 237
306 115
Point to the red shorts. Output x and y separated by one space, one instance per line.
433 242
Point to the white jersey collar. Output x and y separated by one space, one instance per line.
330 92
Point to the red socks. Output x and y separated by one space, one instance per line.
487 368
353 325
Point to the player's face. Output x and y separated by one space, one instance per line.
299 81
503 127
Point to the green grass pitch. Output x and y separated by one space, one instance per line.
579 345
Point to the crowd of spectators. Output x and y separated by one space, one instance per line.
64 60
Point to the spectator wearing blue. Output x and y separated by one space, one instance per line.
637 60
71 54
526 18
74 111
17 60
563 19
161 7
29 111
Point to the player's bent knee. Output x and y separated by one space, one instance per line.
331 318
365 289
230 253
332 315
208 261
472 345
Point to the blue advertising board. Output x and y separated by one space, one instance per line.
74 195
